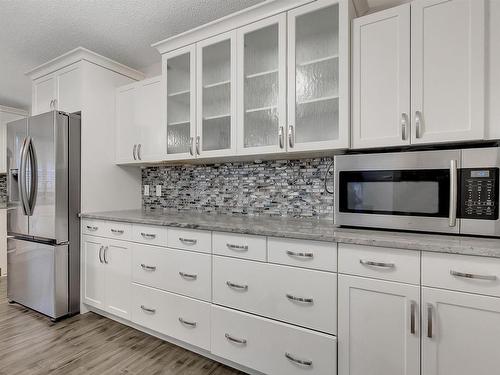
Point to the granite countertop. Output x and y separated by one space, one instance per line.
306 228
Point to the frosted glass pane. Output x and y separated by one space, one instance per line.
317 76
216 123
216 134
317 34
317 121
261 128
261 87
178 138
178 73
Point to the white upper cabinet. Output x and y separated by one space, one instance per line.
381 79
461 333
140 130
447 70
318 76
216 99
58 91
179 74
262 86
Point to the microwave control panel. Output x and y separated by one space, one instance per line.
479 193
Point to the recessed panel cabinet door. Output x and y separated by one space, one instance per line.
262 86
381 79
69 82
461 333
126 124
152 135
93 278
179 82
117 263
447 70
378 327
318 76
216 75
44 93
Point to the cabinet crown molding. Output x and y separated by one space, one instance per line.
232 21
79 54
14 111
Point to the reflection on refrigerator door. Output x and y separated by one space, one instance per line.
38 276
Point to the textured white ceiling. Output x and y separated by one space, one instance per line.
35 31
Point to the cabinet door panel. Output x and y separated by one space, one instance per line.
465 333
381 79
69 90
126 128
152 138
44 92
447 70
318 70
93 271
375 327
179 82
216 73
117 261
262 86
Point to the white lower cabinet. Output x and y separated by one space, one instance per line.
378 329
269 346
179 271
106 275
461 333
304 297
182 318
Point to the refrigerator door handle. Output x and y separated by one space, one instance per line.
22 176
34 176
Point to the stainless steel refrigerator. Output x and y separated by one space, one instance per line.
43 234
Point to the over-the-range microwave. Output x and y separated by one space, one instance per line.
446 191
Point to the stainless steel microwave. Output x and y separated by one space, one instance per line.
447 191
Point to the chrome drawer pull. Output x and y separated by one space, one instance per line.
100 254
300 255
301 362
117 231
473 276
188 323
148 236
148 268
91 228
189 276
188 241
236 286
144 308
299 299
235 340
237 247
376 264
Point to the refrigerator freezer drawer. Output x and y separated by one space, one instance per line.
38 276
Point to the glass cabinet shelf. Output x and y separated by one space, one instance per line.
317 61
316 100
179 93
267 108
178 122
260 74
217 84
208 118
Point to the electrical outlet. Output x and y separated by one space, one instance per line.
158 190
146 190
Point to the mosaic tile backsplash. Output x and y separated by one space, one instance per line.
3 188
292 188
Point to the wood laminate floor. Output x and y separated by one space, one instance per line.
88 344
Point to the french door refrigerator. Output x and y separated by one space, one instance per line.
43 234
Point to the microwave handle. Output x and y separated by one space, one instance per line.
453 193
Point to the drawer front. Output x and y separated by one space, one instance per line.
380 263
240 246
119 231
93 227
180 317
461 272
190 239
177 271
271 347
302 253
148 234
295 295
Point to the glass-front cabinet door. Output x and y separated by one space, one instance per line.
318 71
262 86
179 76
216 93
